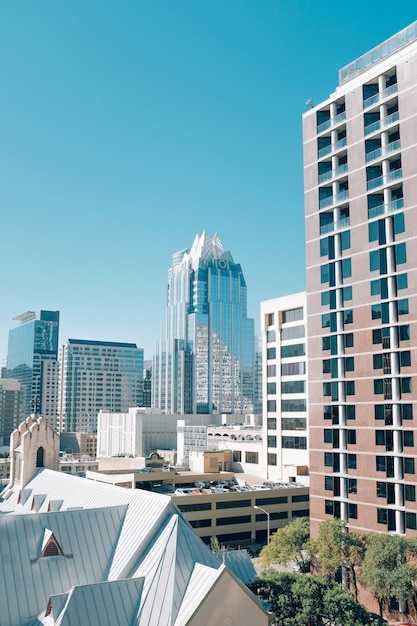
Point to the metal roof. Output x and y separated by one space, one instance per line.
75 551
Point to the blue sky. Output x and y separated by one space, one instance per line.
126 128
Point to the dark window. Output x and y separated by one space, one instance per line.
351 461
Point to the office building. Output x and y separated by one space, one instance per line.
10 408
205 358
284 352
361 252
98 376
32 360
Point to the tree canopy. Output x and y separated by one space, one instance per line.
288 544
386 569
297 600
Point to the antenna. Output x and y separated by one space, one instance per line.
309 103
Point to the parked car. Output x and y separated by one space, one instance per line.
220 489
260 487
187 491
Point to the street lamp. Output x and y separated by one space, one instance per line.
267 516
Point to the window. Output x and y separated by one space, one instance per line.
406 384
410 493
352 511
272 441
405 358
350 387
407 411
352 485
271 370
271 405
272 458
295 386
404 332
349 364
408 465
237 456
270 336
297 349
400 254
402 281
411 521
408 438
348 340
271 388
351 461
350 412
297 443
293 369
351 437
251 457
294 423
271 353
293 315
293 332
296 406
403 307
272 423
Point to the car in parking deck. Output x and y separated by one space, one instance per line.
220 489
260 487
186 491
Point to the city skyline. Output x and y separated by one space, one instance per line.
127 131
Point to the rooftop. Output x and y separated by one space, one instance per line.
384 49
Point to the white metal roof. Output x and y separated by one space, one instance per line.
128 556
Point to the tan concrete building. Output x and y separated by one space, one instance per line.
361 254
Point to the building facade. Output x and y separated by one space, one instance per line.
205 358
361 253
285 424
95 376
10 408
32 360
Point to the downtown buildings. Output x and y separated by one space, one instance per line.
205 358
284 376
361 255
32 360
97 376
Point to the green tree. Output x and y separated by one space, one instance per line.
297 600
288 544
336 550
386 570
215 544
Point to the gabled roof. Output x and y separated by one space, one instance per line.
108 604
117 556
87 539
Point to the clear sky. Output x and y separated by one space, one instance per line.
127 127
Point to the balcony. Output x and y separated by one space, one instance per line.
339 171
386 179
332 147
331 123
342 196
334 226
372 128
378 97
382 152
389 207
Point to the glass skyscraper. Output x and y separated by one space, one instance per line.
205 359
32 358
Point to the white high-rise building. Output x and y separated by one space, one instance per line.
285 423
